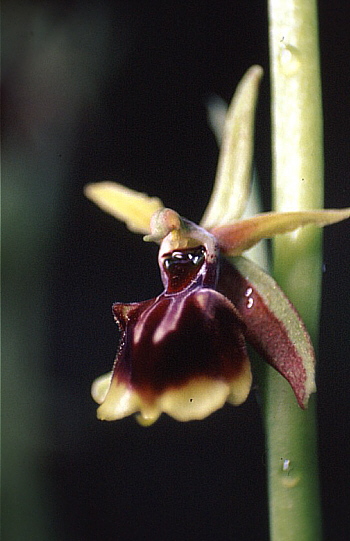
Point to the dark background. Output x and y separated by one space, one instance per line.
117 90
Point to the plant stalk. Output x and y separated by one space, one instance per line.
297 152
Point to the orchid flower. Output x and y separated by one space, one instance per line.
184 352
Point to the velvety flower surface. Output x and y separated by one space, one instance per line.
184 352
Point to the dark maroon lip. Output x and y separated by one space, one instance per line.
173 340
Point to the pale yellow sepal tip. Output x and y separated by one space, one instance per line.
133 208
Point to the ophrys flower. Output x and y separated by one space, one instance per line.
184 352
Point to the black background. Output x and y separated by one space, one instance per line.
144 125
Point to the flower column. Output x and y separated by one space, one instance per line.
298 184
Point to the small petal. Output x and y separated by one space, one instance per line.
233 177
240 236
273 326
133 208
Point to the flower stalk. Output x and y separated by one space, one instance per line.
184 352
297 260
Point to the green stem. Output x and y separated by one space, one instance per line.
298 184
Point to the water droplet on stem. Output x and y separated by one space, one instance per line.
289 58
